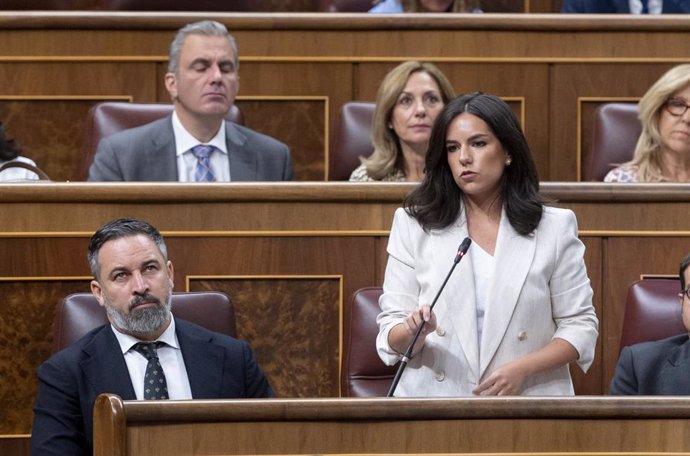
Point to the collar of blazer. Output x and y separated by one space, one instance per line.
242 158
204 360
105 366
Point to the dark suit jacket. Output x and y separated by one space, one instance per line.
147 153
218 366
654 368
619 6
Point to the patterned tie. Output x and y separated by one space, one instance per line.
155 386
202 169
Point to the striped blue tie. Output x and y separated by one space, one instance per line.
202 169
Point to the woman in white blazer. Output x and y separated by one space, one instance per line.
518 308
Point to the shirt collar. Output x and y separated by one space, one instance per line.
127 342
184 140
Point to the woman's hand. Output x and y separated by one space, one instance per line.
507 380
415 318
401 335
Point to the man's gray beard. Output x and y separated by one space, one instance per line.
140 321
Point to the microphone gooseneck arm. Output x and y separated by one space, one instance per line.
462 250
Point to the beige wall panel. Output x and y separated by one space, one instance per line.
625 260
570 82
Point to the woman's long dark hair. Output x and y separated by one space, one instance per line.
8 148
436 203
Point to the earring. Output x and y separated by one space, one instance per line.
390 126
508 162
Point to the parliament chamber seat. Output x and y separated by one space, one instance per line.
652 311
363 374
351 140
79 313
107 118
614 136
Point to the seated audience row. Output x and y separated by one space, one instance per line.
196 144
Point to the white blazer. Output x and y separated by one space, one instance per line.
540 291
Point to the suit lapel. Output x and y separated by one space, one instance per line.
622 6
203 360
512 258
105 366
456 305
675 7
159 159
675 374
242 161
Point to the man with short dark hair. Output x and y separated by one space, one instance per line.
144 353
195 143
661 367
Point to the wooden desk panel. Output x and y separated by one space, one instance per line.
282 238
582 425
552 62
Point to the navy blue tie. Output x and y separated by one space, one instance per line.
645 7
155 386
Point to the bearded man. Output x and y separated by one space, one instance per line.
144 353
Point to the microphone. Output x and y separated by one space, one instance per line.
462 250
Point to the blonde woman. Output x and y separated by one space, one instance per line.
662 153
408 101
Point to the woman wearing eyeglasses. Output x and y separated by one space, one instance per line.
662 153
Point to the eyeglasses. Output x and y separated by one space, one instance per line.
676 106
685 292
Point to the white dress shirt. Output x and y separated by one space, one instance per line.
186 161
483 270
170 357
18 174
653 6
